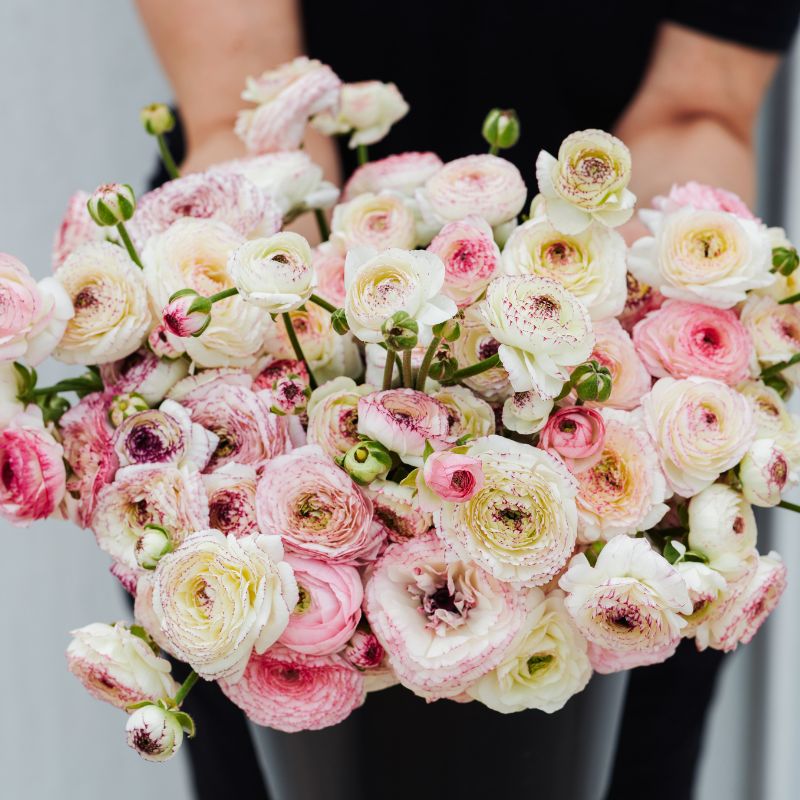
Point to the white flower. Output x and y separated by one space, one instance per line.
709 257
588 182
467 414
378 285
700 427
706 591
109 296
154 733
775 331
590 264
381 221
220 598
772 419
765 473
526 412
545 666
542 330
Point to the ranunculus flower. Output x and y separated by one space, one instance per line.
522 525
117 666
630 601
775 331
367 108
467 414
576 434
765 473
700 428
364 651
590 264
379 284
449 476
381 221
316 508
772 419
542 330
708 257
286 98
396 512
403 173
328 262
587 182
682 339
526 412
333 415
32 474
606 660
186 315
291 692
274 274
194 254
144 494
108 293
329 608
143 373
470 257
77 228
272 370
480 185
443 622
641 300
705 197
231 492
402 420
544 667
706 589
154 733
624 490
220 598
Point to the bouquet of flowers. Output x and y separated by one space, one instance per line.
478 453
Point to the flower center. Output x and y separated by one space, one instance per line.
85 298
488 349
539 662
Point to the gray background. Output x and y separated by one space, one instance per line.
73 74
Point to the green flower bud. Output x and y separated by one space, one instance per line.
443 367
501 128
366 461
151 546
449 330
400 331
157 119
111 204
784 260
592 381
339 322
124 406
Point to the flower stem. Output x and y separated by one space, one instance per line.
298 350
789 300
322 224
408 373
316 299
422 375
224 294
476 369
493 150
788 505
166 157
126 240
185 688
363 155
388 369
776 368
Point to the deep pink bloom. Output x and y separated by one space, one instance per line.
453 477
575 433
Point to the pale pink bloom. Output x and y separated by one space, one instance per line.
402 420
403 173
775 331
231 492
145 374
329 609
452 477
704 197
286 98
765 473
333 415
382 221
77 228
328 263
289 395
443 622
605 661
641 300
206 382
32 468
576 434
682 339
292 692
316 508
364 651
272 370
470 256
396 512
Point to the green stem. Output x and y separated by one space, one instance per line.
298 350
126 240
788 505
476 369
185 688
789 300
388 369
363 155
422 375
224 294
776 368
323 303
494 150
322 224
166 157
408 374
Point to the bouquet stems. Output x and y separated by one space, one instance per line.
298 350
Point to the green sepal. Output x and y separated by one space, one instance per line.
186 722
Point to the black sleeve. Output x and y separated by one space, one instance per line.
762 24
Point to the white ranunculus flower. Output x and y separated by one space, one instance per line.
587 182
522 525
700 427
381 221
772 419
333 414
545 666
379 284
273 273
219 598
108 293
467 414
542 329
709 257
590 264
775 331
194 254
765 473
706 587
526 412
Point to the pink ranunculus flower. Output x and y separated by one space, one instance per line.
329 608
382 221
291 692
32 468
605 661
641 300
396 512
576 434
328 262
364 651
470 256
403 173
682 339
76 228
402 420
316 508
449 476
231 492
286 98
703 197
145 374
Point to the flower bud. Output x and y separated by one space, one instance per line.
339 322
154 543
290 395
124 406
443 366
111 204
154 733
400 331
501 128
449 330
157 119
160 344
784 260
187 313
364 651
366 461
592 381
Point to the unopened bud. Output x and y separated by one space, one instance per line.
151 546
124 406
784 260
449 330
187 313
592 381
111 204
157 119
366 461
443 366
339 322
154 733
501 128
400 331
290 395
364 651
